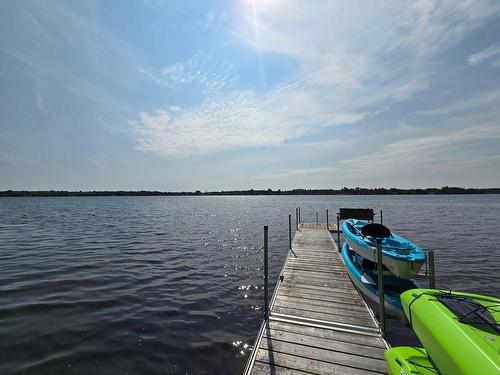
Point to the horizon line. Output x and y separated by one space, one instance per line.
295 191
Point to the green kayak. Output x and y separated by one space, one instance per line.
408 360
460 331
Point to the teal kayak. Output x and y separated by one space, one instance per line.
402 257
363 274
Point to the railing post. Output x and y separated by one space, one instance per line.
327 224
381 218
432 271
266 273
338 231
317 218
380 271
289 231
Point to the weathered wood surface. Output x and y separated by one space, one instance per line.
319 324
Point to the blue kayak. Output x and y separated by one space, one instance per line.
364 275
402 257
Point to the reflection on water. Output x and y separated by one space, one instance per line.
145 285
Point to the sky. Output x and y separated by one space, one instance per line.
240 94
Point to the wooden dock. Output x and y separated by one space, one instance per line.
318 323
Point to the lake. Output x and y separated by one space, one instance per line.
173 285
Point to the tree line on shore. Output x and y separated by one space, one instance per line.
343 191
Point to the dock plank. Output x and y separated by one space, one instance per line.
306 352
331 345
318 300
286 299
327 334
308 365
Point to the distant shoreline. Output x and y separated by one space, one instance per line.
343 191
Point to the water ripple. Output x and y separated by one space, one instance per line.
173 285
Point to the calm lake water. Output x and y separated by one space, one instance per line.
173 285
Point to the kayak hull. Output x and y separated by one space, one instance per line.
455 347
366 282
409 360
403 258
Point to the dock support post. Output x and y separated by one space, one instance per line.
300 221
289 231
432 276
338 232
380 272
266 272
317 218
381 218
296 218
327 224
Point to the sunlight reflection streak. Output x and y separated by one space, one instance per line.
257 44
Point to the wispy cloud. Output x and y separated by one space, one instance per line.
238 119
482 99
347 69
57 29
486 54
421 154
196 74
428 27
397 161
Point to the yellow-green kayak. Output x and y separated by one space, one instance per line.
460 331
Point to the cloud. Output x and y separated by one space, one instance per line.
348 68
486 54
421 154
59 47
305 30
428 27
401 160
238 119
463 105
195 74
